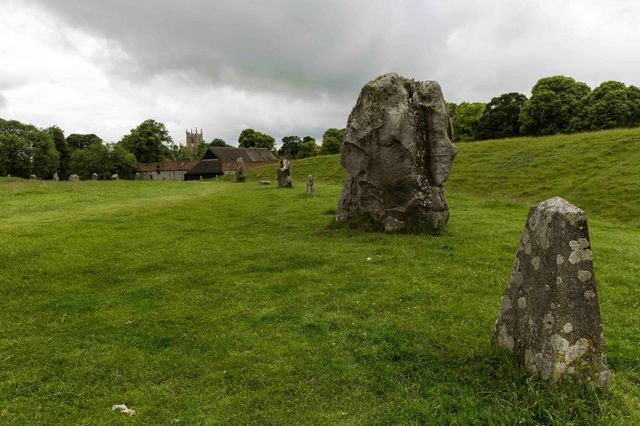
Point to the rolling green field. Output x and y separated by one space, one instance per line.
224 303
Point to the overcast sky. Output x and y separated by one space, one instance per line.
287 66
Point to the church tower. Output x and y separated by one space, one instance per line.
193 139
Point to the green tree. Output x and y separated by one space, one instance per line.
14 156
63 149
93 159
332 141
552 106
250 138
465 120
612 104
201 148
308 148
45 159
26 150
218 142
149 142
290 146
122 162
78 141
501 117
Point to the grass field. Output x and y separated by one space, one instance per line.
224 303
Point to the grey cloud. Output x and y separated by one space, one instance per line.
4 102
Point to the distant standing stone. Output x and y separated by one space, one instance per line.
240 170
138 176
115 177
33 177
265 182
310 189
74 178
550 316
284 175
56 177
94 176
398 154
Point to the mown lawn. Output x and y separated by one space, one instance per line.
224 303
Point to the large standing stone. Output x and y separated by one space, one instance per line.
310 190
550 316
240 170
284 175
398 153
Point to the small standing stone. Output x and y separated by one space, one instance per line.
550 316
56 177
310 190
240 170
33 177
74 178
138 176
284 175
115 176
94 176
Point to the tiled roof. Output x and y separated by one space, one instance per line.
167 166
228 154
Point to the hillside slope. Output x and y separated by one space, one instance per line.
597 171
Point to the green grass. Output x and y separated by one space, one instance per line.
224 303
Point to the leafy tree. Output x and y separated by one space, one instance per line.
26 150
14 156
93 159
332 141
290 146
218 142
501 117
63 149
122 162
308 148
611 104
465 120
78 141
149 142
451 109
198 153
250 138
553 104
45 159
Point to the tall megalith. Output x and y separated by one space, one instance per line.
550 315
398 154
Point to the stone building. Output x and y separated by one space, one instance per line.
180 170
193 139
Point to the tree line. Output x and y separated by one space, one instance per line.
558 104
26 150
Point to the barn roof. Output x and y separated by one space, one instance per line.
228 154
206 167
167 166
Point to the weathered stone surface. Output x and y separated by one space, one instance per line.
240 177
74 178
284 175
94 176
310 190
550 316
398 153
56 177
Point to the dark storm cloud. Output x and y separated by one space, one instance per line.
298 46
